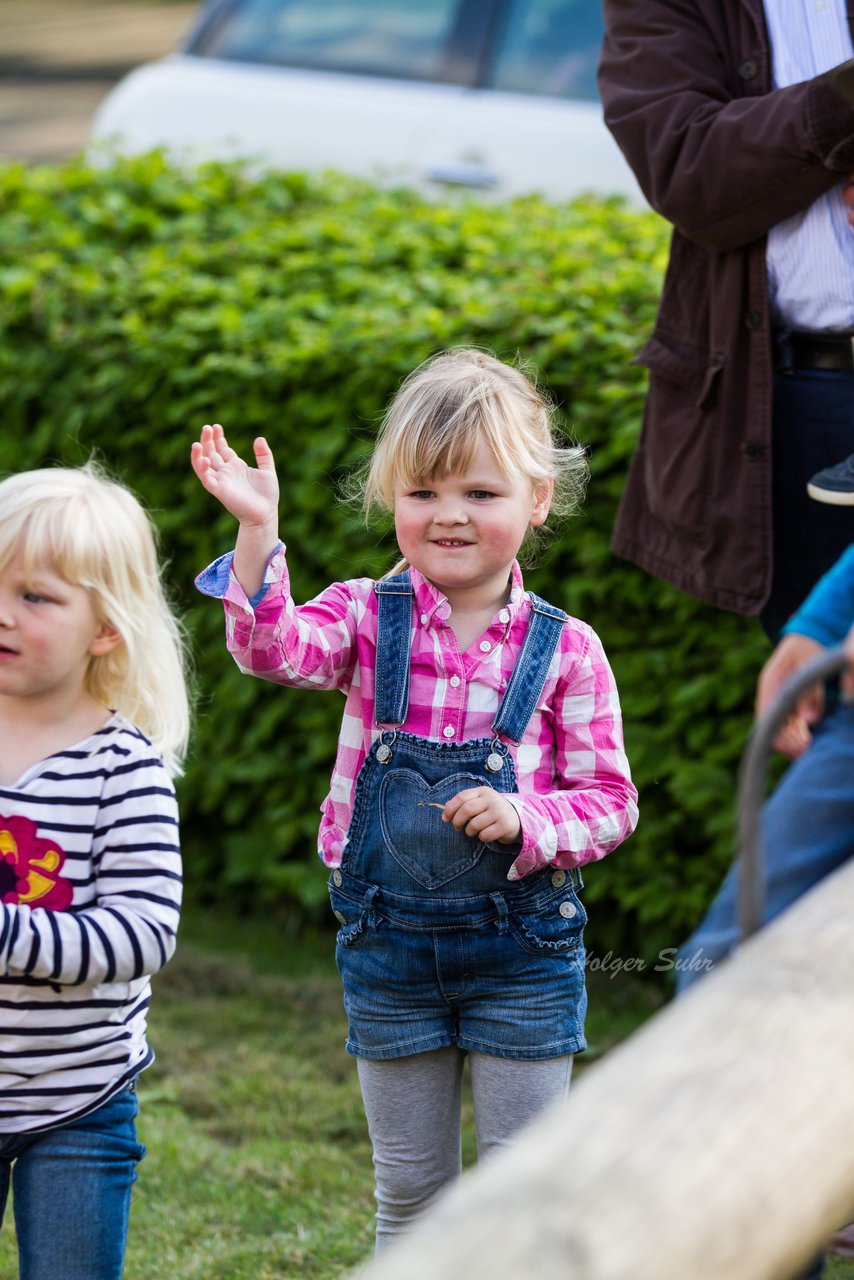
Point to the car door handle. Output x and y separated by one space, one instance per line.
463 175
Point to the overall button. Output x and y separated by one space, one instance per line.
340 917
449 731
558 879
455 682
336 878
568 910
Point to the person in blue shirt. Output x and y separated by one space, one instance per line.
800 850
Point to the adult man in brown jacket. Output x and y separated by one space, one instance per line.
745 400
687 87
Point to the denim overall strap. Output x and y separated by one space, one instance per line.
531 669
394 641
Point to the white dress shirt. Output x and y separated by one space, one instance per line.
811 255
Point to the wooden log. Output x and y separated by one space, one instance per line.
716 1144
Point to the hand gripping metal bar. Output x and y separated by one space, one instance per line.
751 785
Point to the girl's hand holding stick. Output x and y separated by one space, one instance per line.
482 812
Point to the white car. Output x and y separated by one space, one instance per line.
495 96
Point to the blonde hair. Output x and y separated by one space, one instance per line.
93 532
451 403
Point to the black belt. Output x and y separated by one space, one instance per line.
830 351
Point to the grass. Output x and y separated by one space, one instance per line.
259 1161
262 1165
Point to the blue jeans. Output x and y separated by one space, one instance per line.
72 1188
807 832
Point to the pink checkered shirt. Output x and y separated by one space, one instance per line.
575 801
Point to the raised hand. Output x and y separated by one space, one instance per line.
251 494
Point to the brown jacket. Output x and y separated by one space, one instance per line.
686 86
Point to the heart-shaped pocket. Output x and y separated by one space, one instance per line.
433 852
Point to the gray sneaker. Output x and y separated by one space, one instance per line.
834 485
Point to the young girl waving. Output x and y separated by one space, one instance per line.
480 762
92 702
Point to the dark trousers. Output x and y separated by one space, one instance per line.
813 427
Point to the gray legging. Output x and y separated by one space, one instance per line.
413 1110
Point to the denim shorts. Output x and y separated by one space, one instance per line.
499 973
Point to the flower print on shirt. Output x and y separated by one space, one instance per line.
30 867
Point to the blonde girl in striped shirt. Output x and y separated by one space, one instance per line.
93 726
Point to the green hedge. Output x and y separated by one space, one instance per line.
137 303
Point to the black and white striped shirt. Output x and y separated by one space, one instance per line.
90 894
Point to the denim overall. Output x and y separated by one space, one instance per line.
436 946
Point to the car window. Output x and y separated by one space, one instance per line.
377 37
547 47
